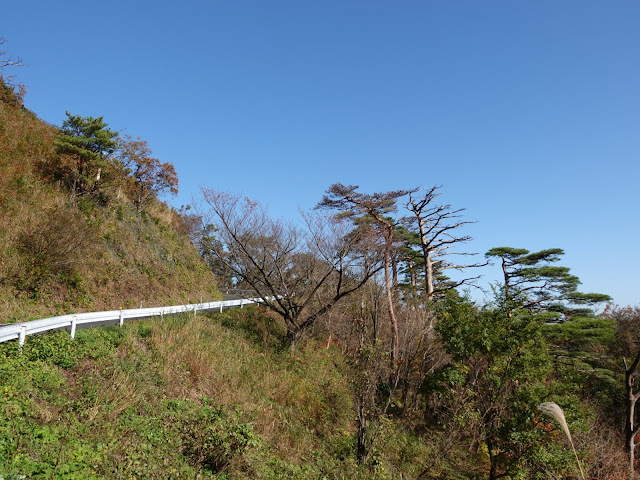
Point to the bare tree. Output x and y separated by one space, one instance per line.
437 227
298 272
9 81
628 345
6 61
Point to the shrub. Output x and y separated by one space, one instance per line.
212 437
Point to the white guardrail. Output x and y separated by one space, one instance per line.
74 321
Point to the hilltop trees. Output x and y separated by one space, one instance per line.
371 212
11 92
150 178
90 153
83 144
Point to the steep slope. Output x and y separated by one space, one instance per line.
61 252
215 396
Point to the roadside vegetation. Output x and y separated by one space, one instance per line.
367 359
213 396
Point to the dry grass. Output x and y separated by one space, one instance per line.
293 403
554 411
61 254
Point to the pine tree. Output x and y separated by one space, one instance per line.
532 283
84 144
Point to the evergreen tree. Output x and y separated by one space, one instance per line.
532 283
372 211
84 144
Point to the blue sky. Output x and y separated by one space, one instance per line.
527 113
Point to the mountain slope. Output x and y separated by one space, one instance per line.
61 252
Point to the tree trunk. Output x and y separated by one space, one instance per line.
630 425
507 301
428 262
493 464
395 346
291 338
361 447
429 276
412 272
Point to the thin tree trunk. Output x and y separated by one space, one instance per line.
428 262
507 302
395 346
493 467
631 429
429 276
361 449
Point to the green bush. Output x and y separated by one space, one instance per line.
213 437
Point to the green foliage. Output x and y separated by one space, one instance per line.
494 383
84 142
531 283
58 347
212 437
584 359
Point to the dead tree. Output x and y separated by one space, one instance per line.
437 227
627 345
9 81
631 428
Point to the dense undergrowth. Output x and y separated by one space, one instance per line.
62 252
214 396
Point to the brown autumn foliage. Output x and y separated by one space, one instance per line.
149 178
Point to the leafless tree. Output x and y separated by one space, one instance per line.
9 81
298 272
6 61
437 227
628 346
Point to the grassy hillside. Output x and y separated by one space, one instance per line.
208 397
61 252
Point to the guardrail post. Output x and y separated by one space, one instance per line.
23 336
73 326
162 314
121 318
220 307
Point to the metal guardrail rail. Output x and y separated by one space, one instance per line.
75 321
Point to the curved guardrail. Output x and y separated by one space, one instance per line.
74 321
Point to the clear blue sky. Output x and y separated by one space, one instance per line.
527 113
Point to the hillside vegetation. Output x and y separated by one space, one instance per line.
213 396
61 251
365 360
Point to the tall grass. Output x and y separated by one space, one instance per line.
554 411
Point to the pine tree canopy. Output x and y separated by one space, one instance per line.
531 283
